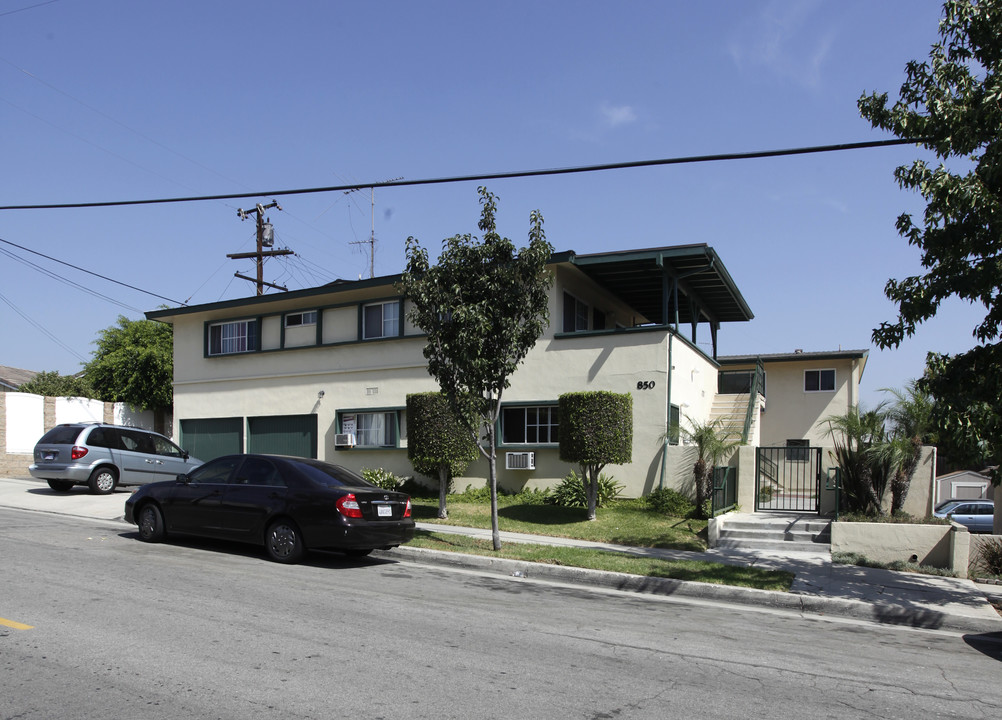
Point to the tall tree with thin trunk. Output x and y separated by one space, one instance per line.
951 105
483 306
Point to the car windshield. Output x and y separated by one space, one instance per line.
63 435
331 475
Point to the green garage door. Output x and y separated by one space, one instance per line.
283 435
209 438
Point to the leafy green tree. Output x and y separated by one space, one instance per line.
952 106
483 306
595 429
438 443
51 384
710 439
134 364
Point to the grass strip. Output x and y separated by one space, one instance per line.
623 523
692 570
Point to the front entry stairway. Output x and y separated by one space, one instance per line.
777 532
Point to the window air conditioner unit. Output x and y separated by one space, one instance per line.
520 461
344 440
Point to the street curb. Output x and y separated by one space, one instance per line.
884 614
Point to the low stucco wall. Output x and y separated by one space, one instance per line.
942 546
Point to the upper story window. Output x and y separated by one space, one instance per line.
575 314
381 320
529 425
233 337
298 319
819 381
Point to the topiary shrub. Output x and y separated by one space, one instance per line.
671 502
573 491
382 478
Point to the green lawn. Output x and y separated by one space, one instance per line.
626 522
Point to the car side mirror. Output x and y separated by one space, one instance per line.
185 454
183 478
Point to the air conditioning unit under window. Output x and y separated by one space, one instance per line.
520 461
344 440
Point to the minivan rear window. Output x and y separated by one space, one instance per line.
61 435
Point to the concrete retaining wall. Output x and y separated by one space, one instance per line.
942 546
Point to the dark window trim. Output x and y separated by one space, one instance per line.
207 336
397 411
499 427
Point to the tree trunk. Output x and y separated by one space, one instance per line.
493 464
443 490
592 475
699 473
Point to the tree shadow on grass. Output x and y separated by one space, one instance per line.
544 514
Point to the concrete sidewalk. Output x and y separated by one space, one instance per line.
820 587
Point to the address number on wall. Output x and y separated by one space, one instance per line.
645 385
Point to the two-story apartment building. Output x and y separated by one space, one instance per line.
324 372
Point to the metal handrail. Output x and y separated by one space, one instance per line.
753 399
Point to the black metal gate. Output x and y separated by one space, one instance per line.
788 478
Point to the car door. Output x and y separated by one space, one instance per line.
171 460
255 493
193 505
966 514
984 517
136 457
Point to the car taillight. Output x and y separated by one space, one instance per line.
348 506
78 452
407 510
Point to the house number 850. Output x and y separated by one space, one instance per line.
645 385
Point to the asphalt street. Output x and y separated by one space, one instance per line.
113 627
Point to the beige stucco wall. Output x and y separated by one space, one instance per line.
792 413
379 374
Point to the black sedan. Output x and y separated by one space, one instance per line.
287 504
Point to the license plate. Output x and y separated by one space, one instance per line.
50 456
384 511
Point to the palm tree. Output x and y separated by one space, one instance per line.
861 451
910 417
711 443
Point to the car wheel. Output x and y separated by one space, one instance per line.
60 485
103 481
151 523
357 552
283 542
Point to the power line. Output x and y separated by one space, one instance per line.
76 267
490 176
66 281
42 330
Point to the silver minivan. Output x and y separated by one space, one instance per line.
104 456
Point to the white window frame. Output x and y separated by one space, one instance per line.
551 424
234 343
389 325
582 311
381 425
820 372
306 317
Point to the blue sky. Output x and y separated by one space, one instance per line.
104 100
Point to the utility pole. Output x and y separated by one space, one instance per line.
265 238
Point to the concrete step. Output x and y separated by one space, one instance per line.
782 546
781 534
